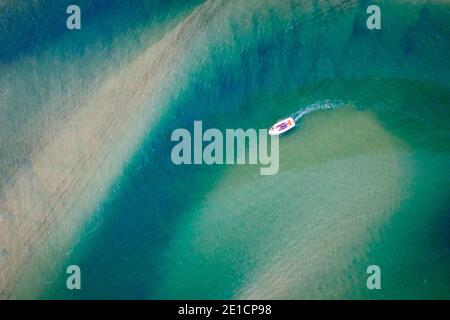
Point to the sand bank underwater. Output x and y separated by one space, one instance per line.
87 177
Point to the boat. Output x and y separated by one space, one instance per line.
282 126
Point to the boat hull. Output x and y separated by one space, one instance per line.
282 126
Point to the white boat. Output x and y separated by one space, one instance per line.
282 126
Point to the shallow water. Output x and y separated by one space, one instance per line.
364 183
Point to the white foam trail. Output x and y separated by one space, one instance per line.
327 104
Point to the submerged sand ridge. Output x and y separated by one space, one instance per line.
49 198
52 194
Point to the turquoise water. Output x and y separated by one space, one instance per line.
364 183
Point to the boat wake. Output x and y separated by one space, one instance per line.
327 104
289 123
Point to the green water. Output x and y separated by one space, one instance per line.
366 183
350 193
